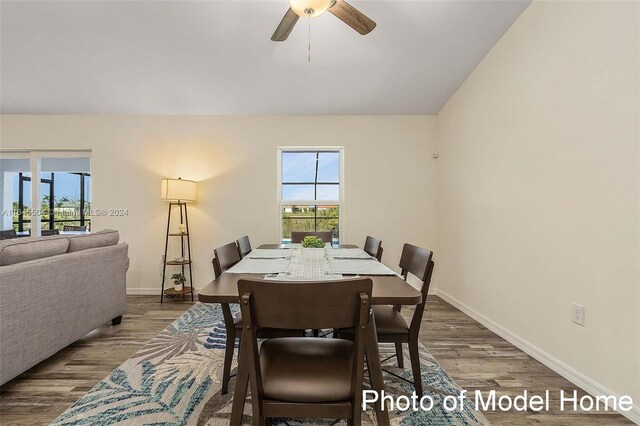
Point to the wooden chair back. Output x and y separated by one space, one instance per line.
244 246
373 247
298 236
417 261
225 257
303 305
295 305
74 228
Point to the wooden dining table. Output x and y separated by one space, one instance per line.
387 290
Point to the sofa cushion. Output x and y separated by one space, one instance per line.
107 237
23 249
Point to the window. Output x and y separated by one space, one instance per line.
60 196
310 190
64 197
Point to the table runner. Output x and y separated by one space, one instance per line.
313 268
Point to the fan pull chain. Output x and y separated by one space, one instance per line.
309 58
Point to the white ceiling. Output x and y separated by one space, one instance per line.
216 57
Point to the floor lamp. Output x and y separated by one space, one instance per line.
178 192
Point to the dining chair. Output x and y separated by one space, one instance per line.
74 228
373 247
298 236
49 232
305 376
244 246
8 234
224 257
391 326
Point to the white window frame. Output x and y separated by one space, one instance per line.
35 156
340 202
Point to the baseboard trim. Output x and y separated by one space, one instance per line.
569 373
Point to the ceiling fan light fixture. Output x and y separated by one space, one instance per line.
309 8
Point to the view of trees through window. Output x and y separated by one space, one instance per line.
65 200
310 218
310 192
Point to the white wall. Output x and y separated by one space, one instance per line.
538 189
389 177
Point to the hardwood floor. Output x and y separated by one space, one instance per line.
475 357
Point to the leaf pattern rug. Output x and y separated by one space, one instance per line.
175 379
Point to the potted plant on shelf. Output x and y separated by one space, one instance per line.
178 281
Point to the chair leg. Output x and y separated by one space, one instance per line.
357 415
415 366
399 355
228 358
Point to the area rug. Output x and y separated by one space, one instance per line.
175 379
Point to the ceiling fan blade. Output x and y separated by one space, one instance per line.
352 17
286 25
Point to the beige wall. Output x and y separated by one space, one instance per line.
389 176
538 187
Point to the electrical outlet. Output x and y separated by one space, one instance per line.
577 314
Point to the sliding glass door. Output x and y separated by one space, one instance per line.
62 194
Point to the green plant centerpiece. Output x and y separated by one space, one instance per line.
312 242
178 281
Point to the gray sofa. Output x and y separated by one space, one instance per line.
54 290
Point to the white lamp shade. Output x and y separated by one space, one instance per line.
178 190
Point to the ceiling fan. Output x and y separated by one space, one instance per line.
314 8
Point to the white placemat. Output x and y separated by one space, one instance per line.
359 267
269 253
348 253
258 266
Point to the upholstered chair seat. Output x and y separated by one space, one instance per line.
307 369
